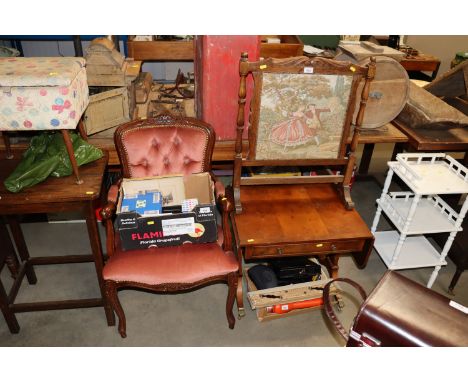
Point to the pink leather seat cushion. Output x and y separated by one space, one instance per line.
186 263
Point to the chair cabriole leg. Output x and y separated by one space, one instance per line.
113 299
232 287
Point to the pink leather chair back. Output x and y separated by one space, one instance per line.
164 145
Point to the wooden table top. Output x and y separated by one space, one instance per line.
431 139
296 214
224 150
385 134
53 190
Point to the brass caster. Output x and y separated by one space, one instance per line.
240 313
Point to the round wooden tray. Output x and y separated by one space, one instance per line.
388 93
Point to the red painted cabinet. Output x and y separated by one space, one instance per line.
217 79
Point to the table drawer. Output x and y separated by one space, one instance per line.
261 251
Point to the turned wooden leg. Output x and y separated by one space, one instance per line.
17 233
6 246
7 313
6 142
95 241
113 300
454 281
240 298
366 158
12 263
232 287
71 155
331 263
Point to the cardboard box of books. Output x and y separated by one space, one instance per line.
166 211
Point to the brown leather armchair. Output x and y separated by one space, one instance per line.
160 146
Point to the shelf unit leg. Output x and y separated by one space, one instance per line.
375 223
408 221
442 256
433 276
449 242
386 186
397 251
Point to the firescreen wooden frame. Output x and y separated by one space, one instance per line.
299 65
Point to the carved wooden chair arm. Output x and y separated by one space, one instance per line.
226 204
113 193
108 211
107 214
219 188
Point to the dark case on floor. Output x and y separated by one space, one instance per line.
294 270
401 312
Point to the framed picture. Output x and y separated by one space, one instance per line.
302 116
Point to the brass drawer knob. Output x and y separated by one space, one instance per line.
333 247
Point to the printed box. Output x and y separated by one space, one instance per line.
145 203
160 230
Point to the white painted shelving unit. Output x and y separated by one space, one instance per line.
420 211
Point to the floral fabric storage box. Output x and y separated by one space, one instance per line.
42 93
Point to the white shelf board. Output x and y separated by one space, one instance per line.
426 219
417 251
436 178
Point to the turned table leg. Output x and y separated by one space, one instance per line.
330 262
11 260
6 142
71 154
20 243
96 248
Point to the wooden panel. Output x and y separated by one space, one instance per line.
453 83
290 46
106 110
143 87
161 50
455 139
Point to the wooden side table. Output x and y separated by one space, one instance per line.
298 220
53 195
421 63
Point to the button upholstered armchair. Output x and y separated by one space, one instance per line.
160 146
